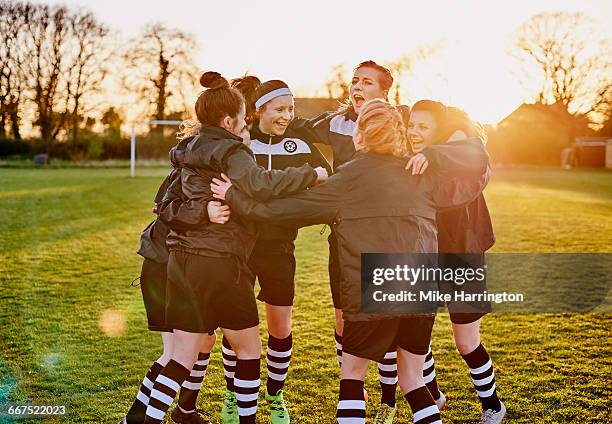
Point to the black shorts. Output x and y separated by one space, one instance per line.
465 312
205 293
466 318
273 263
333 267
153 283
372 339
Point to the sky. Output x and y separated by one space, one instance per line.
299 42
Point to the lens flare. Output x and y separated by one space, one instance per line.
50 360
113 323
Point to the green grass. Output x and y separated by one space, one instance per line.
67 243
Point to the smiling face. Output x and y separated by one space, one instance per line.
365 86
422 129
275 116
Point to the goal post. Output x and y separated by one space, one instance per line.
133 141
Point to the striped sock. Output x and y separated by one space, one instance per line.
351 406
246 386
483 377
191 387
338 348
229 364
387 374
164 391
424 409
136 414
278 358
429 375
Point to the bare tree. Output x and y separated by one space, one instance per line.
161 68
87 67
570 60
404 65
45 57
13 16
337 86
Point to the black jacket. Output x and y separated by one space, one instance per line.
375 205
468 229
183 213
212 152
282 152
153 237
334 128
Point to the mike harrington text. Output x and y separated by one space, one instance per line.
436 296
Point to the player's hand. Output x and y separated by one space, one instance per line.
322 174
220 187
218 213
418 163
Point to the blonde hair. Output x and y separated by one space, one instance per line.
382 129
188 128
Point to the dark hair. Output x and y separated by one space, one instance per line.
404 110
268 87
385 79
438 110
450 119
459 120
218 100
247 86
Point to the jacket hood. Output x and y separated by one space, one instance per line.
213 144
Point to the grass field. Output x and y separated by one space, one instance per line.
73 329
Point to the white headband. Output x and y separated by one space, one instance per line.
272 95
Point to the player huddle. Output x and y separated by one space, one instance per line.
246 175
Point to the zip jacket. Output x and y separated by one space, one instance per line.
375 206
212 152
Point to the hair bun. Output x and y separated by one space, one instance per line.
212 79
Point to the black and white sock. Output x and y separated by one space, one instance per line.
351 406
278 358
387 374
483 377
424 409
136 414
429 375
191 387
164 391
338 338
229 364
246 387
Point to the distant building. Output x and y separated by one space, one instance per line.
588 152
535 134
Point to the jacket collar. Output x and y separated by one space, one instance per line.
216 132
257 134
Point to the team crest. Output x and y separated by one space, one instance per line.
290 146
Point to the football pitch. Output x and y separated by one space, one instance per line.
73 329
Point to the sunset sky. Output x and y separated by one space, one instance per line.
299 42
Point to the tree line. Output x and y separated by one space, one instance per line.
60 66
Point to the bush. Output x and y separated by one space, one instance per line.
115 148
14 148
